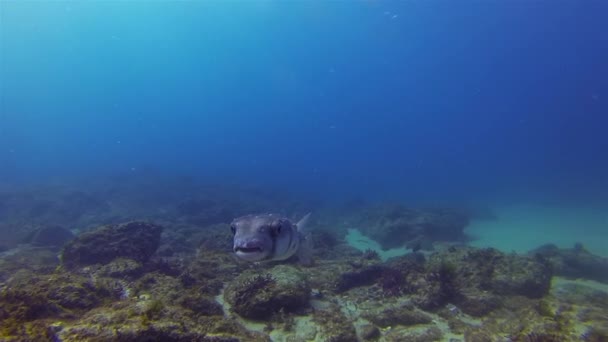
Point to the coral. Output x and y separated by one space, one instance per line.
133 240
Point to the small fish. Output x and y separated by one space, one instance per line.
268 237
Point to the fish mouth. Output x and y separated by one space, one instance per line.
248 249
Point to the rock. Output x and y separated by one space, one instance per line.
423 335
75 295
51 236
365 276
476 302
429 287
517 275
259 296
479 277
574 262
335 326
369 332
128 321
121 268
44 296
393 226
477 335
201 305
405 315
133 240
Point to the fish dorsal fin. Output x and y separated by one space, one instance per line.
305 250
302 223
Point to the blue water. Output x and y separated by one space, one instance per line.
424 101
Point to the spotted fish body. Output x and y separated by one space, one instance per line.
268 237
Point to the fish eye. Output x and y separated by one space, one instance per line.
275 229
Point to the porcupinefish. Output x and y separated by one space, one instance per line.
269 237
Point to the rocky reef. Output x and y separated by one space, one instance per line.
174 278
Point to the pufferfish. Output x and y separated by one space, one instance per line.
270 237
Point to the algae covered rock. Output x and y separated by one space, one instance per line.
150 321
361 277
480 277
133 240
259 296
519 275
335 326
369 332
576 262
55 295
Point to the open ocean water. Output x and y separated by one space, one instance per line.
453 154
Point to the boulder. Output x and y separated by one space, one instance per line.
574 262
362 277
260 296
